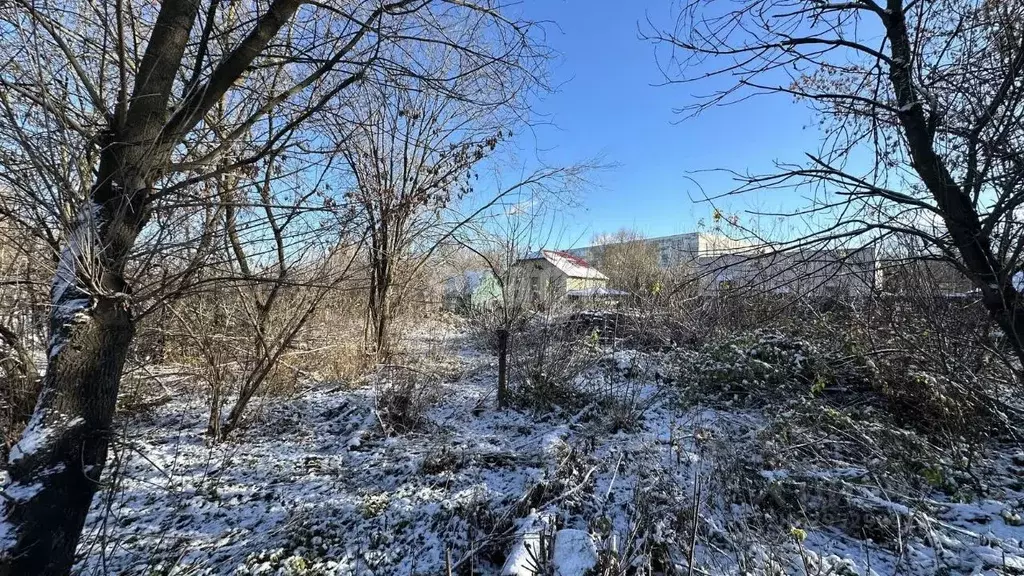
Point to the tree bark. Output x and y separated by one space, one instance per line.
379 309
56 467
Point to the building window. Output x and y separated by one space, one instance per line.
535 288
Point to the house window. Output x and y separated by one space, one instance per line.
535 288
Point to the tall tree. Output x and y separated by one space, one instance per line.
629 261
921 107
122 93
412 152
412 144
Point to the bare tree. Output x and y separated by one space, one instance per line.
629 261
930 93
412 152
501 234
109 129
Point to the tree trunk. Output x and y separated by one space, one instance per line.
55 468
502 367
1010 319
993 278
379 310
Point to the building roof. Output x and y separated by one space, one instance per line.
569 264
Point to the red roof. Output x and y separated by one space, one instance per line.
572 258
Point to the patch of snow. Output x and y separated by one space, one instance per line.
315 483
7 537
774 475
34 436
68 297
37 434
525 558
22 492
574 553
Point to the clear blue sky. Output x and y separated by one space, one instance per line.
608 105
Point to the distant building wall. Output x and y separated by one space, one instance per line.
938 276
679 249
720 262
846 273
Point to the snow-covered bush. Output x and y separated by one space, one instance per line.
752 367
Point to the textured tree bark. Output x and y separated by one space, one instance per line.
56 466
380 306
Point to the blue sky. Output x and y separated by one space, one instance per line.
608 105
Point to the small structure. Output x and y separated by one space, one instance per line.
471 290
599 293
551 275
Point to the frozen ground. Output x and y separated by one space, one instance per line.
316 486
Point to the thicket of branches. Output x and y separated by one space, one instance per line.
186 175
250 192
920 107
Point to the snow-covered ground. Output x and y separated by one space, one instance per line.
315 485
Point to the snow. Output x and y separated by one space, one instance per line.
574 553
34 436
313 487
525 558
21 492
68 298
6 536
596 292
37 433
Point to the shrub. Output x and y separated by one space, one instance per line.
403 397
546 365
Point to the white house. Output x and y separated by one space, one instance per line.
550 275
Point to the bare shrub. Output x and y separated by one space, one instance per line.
403 395
547 361
23 266
624 385
332 348
20 383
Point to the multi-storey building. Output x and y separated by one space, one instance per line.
718 263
